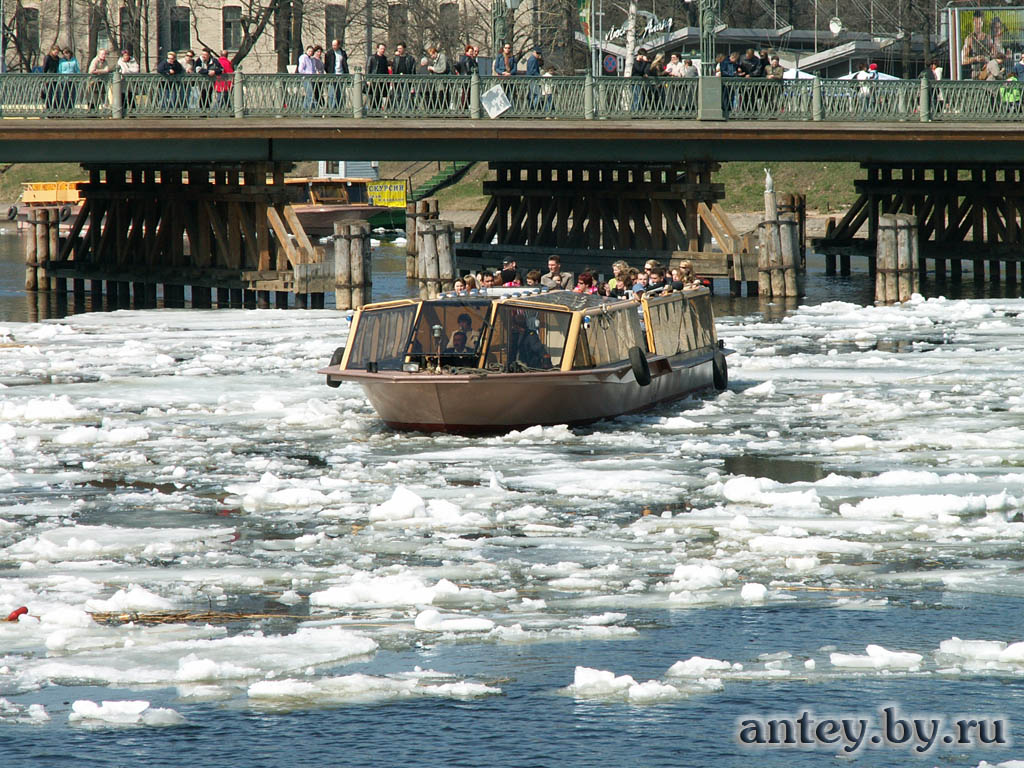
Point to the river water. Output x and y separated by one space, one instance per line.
839 532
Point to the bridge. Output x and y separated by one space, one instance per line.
285 118
582 164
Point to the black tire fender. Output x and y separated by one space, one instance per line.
720 369
336 360
641 369
12 213
64 213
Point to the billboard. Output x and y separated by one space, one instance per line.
978 35
387 192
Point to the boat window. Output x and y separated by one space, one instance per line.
452 317
357 192
611 334
703 320
329 192
671 324
527 339
381 337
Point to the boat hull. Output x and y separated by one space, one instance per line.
483 402
318 220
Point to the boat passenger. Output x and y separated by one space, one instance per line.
555 277
458 345
510 278
585 283
525 349
533 277
487 280
470 281
472 338
656 279
618 269
459 286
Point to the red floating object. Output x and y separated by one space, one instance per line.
13 615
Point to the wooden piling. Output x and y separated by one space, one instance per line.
342 266
445 240
410 241
53 247
361 265
42 222
790 256
30 255
764 280
430 282
897 276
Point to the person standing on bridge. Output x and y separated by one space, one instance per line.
505 63
127 65
403 64
96 88
377 64
171 92
209 68
69 66
224 81
336 63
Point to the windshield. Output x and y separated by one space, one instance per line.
451 330
381 337
527 339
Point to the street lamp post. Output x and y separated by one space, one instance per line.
709 23
499 21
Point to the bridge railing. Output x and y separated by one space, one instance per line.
444 96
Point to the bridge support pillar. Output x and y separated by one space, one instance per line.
967 213
226 226
709 99
596 213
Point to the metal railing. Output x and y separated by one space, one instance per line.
568 98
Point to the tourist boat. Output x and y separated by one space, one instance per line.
321 201
554 357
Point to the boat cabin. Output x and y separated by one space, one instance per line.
327 191
525 332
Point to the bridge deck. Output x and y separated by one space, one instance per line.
168 140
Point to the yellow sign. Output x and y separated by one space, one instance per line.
387 192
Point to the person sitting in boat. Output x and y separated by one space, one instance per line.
510 278
585 283
470 337
555 277
487 280
533 278
525 349
656 279
459 286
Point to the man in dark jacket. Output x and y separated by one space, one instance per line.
403 64
209 67
377 64
335 63
171 92
751 65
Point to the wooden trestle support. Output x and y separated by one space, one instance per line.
592 214
967 212
224 228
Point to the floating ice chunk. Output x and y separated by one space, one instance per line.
135 598
786 545
753 592
604 619
81 435
697 576
800 564
764 389
431 620
652 691
760 490
878 658
121 713
395 590
588 682
698 666
399 241
359 687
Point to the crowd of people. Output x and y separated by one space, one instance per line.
198 95
625 282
